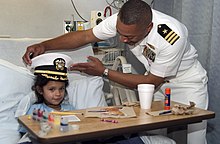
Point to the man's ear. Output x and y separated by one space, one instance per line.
149 27
39 90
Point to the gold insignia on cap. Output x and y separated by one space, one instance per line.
168 34
50 72
59 63
50 77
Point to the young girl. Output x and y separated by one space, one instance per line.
50 84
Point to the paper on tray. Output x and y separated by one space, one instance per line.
160 112
105 112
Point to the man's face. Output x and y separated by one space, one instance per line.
131 34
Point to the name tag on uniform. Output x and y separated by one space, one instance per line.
149 54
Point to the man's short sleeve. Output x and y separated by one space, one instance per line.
107 28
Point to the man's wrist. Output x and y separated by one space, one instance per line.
105 73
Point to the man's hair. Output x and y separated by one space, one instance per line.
135 12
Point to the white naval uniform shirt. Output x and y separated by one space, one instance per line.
161 57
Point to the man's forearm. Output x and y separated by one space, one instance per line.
70 40
132 80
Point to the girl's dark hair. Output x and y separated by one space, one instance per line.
41 81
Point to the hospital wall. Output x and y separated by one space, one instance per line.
43 18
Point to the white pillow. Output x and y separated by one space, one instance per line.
86 92
25 103
15 83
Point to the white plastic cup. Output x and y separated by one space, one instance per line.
145 92
146 86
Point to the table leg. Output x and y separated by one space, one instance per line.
34 141
178 133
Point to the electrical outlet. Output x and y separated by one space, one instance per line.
67 26
96 18
78 25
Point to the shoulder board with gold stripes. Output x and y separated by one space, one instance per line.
168 34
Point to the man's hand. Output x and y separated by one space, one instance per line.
93 67
33 51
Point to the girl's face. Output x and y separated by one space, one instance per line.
54 92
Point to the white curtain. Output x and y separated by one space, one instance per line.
202 19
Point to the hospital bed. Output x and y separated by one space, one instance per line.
16 81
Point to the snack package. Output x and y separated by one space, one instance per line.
178 109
